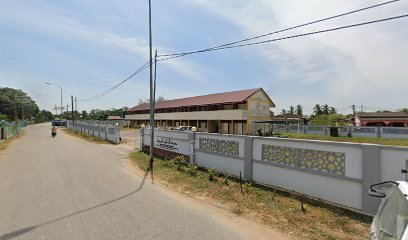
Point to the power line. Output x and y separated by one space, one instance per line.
293 36
282 30
116 85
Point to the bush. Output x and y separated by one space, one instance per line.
168 163
180 162
191 169
211 174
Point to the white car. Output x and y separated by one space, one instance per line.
183 128
391 220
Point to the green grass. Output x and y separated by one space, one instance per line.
279 209
84 136
382 141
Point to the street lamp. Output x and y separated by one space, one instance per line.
55 85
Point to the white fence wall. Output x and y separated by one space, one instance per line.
107 132
336 172
383 132
220 151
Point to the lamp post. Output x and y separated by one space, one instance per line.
55 85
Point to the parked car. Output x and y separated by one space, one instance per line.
391 220
183 128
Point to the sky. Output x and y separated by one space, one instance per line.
87 46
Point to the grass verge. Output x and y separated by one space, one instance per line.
382 141
84 136
281 210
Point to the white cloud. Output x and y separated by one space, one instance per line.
364 65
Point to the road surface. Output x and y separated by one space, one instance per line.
66 188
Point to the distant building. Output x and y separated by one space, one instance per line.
391 119
115 118
229 112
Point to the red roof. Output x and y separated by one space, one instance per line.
217 98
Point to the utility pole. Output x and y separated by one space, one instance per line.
76 106
361 110
72 109
354 109
22 111
151 92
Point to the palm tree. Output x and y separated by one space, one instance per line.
283 111
332 110
317 110
292 109
299 110
326 109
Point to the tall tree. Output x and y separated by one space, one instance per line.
317 110
292 109
15 103
299 110
326 109
332 110
283 111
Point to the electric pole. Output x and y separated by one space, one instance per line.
151 92
72 109
354 109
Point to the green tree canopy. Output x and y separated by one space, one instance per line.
15 102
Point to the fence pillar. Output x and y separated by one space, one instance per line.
106 132
141 138
371 175
379 132
248 158
191 137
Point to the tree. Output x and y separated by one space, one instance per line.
160 99
317 110
332 110
84 115
326 109
292 109
403 110
299 110
14 103
327 120
283 111
43 116
271 114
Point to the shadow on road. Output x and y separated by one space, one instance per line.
22 231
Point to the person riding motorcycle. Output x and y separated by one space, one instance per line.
53 131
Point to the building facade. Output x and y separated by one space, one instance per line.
384 119
228 113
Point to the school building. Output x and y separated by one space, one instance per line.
228 113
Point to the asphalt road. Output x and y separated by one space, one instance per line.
65 188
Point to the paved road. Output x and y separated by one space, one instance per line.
65 188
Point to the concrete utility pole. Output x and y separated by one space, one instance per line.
151 92
72 109
55 85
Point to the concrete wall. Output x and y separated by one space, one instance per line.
336 172
107 132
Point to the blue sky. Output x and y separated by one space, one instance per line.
87 46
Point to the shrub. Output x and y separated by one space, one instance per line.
247 186
211 174
191 169
168 163
180 162
226 179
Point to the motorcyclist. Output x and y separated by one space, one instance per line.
53 131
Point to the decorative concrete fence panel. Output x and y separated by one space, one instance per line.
319 169
364 131
320 130
394 132
225 153
393 159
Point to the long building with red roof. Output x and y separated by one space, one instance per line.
229 112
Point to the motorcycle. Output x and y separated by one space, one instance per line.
53 134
